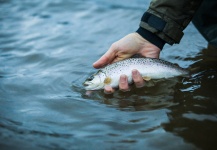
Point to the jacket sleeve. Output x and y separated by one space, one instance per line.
165 20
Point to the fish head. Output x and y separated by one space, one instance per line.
95 81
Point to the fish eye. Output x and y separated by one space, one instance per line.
90 78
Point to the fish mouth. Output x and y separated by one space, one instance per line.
87 83
89 86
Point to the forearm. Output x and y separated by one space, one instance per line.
166 20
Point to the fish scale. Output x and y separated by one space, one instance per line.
149 68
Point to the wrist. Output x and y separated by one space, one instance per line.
151 37
147 49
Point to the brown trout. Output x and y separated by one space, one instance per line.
149 68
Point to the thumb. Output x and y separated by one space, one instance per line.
106 59
121 57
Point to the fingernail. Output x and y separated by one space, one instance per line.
123 79
108 90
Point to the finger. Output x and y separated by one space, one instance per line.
137 79
108 89
123 83
106 59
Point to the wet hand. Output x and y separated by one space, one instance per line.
127 47
124 85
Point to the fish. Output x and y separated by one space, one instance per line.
149 68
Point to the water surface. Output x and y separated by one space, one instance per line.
46 51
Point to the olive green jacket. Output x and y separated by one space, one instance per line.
168 18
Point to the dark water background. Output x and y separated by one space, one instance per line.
46 51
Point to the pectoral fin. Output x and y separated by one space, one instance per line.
146 78
107 80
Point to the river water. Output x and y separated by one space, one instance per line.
46 51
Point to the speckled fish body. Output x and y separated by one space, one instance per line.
149 68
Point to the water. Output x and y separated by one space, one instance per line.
46 51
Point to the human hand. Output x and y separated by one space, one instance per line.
123 84
125 48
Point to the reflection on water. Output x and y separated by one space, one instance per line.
155 95
195 118
46 51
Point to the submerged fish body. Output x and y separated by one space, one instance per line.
149 68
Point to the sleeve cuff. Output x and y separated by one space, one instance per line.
151 37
